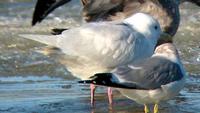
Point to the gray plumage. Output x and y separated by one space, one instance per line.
153 73
148 74
155 79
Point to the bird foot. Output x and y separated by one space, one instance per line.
156 108
146 109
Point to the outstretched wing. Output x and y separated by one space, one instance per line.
44 7
94 10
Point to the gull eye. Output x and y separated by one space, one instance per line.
155 27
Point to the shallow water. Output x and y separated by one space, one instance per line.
47 95
33 83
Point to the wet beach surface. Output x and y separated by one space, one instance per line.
33 83
63 96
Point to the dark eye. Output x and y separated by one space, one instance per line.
155 27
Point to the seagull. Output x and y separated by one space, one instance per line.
165 11
103 46
155 79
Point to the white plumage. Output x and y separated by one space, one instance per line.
102 46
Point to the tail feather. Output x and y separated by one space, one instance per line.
45 39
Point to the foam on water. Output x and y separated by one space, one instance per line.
28 78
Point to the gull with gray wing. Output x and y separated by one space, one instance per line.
155 79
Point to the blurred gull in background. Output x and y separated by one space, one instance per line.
165 11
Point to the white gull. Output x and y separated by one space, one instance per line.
103 46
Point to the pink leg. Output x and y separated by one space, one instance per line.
92 90
110 96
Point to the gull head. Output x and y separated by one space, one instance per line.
168 51
146 25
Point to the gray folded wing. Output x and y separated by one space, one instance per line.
109 44
106 43
149 74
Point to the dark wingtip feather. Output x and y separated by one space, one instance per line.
98 79
44 7
85 81
105 79
57 31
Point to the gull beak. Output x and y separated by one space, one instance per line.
164 38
